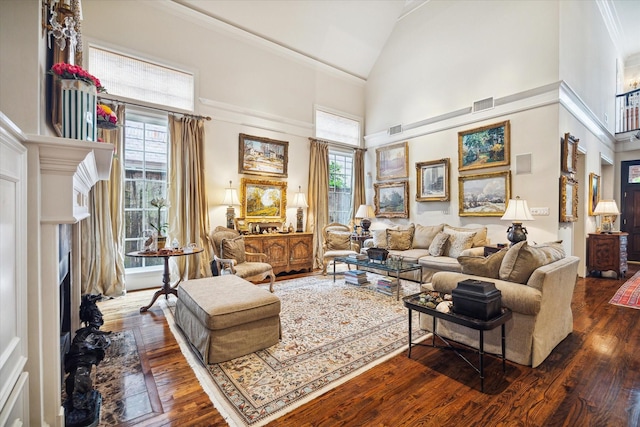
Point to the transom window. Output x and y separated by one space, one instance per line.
337 127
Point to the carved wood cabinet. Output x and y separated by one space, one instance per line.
607 252
285 252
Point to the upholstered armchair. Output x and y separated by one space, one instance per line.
336 242
230 257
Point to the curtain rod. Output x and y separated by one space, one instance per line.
337 144
128 101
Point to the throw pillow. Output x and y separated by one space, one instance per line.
400 240
480 239
338 240
481 266
234 249
458 241
380 237
424 234
521 260
436 248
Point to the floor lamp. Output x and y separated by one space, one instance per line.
231 200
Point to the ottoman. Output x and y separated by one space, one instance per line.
225 317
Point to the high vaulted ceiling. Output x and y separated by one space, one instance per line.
349 34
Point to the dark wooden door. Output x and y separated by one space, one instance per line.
630 210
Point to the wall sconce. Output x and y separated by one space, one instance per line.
607 210
300 202
231 200
517 211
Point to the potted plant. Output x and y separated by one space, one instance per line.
160 227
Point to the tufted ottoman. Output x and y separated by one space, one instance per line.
225 317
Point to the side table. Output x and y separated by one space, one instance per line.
412 303
357 240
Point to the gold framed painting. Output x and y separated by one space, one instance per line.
432 181
594 192
484 147
392 161
484 194
262 156
569 153
263 200
568 199
391 199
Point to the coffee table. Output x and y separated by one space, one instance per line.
412 303
392 267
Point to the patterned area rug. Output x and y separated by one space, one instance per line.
629 294
331 332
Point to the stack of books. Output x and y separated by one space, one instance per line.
358 256
356 277
387 285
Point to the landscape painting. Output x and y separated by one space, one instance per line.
263 156
484 147
391 199
484 194
264 200
392 161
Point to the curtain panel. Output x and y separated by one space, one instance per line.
318 213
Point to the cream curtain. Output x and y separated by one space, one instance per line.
359 194
188 216
318 213
102 259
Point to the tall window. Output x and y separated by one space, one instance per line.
146 152
340 184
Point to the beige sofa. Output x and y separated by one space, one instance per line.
435 247
536 283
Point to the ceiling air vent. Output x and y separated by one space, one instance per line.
483 104
393 130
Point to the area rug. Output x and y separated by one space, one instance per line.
331 332
629 293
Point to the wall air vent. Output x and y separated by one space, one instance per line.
393 130
483 104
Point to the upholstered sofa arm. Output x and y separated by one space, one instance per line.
479 251
519 298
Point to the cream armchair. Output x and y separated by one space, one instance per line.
230 257
336 242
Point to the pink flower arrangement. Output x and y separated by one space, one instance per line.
73 72
106 113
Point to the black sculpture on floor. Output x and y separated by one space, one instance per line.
82 406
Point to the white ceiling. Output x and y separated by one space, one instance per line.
349 35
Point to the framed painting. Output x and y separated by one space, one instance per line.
569 153
263 156
594 192
432 181
484 194
391 200
392 161
484 147
568 199
263 200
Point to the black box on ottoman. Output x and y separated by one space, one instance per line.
477 299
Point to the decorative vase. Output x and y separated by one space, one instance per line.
79 101
162 241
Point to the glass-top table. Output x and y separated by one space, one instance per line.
392 267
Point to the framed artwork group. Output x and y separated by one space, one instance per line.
391 199
568 183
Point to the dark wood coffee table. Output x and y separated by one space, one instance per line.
412 303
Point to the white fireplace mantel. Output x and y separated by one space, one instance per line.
68 170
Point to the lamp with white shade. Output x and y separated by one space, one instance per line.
607 210
363 213
231 200
300 202
517 211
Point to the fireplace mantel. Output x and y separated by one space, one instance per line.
68 170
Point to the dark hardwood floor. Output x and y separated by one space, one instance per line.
591 379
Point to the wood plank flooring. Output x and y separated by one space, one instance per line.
591 379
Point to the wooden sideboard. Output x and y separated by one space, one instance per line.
607 252
285 252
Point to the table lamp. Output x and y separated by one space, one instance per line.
231 200
300 202
607 210
364 213
517 211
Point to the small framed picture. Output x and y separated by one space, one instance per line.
392 161
484 194
569 153
391 200
594 192
568 199
432 179
484 147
